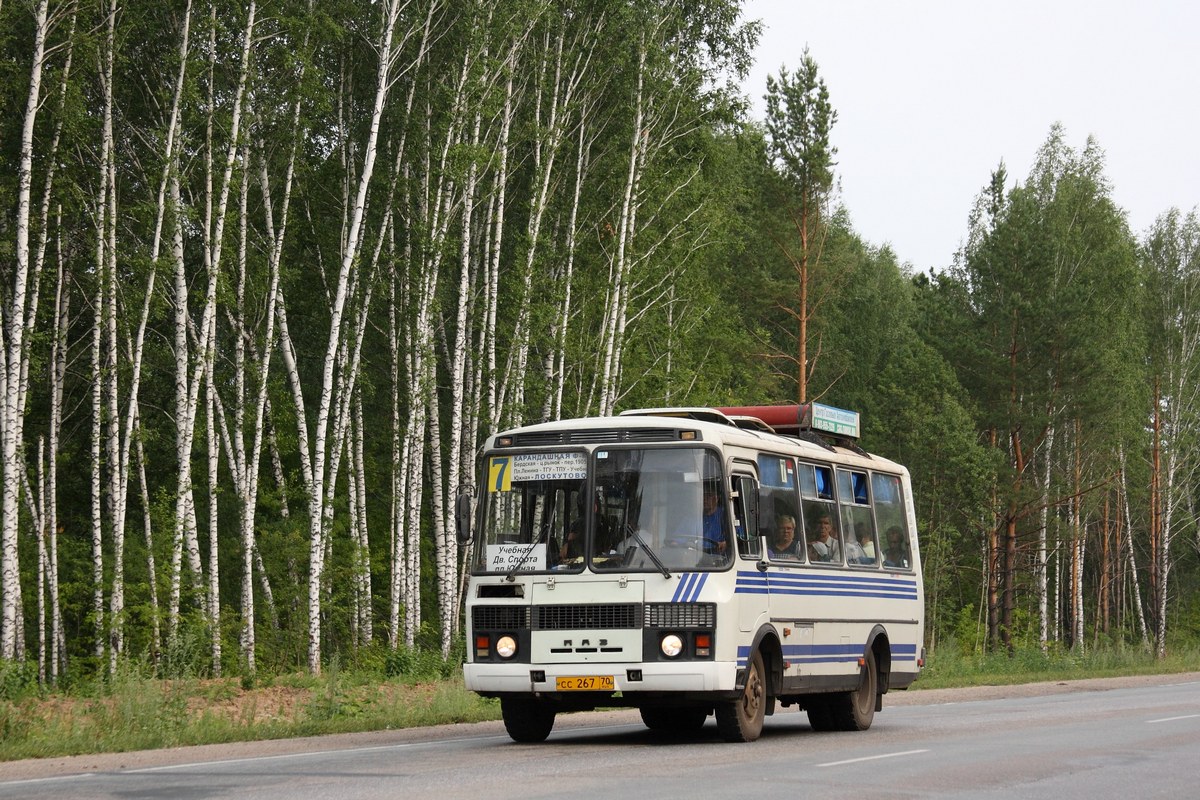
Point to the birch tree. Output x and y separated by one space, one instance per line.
318 458
13 346
1172 255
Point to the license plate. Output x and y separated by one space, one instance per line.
585 683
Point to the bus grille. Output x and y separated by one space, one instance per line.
500 618
572 617
681 615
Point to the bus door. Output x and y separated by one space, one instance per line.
752 605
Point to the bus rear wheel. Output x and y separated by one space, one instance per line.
854 711
820 716
741 719
527 720
665 719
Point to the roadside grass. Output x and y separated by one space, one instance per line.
949 667
132 711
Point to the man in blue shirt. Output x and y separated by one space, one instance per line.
713 527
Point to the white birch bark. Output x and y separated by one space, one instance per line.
214 539
560 96
396 578
48 475
1131 557
564 319
12 414
618 295
58 371
151 569
1043 589
389 11
366 627
188 385
1181 394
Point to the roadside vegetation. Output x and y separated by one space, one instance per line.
382 691
135 711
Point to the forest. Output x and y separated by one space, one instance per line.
270 272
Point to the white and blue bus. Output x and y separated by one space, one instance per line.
691 562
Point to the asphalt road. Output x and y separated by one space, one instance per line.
1088 739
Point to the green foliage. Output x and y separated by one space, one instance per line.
422 664
18 680
954 665
799 120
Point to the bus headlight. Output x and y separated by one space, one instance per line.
671 645
506 647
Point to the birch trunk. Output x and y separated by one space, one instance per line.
12 415
618 295
1043 589
390 11
1132 560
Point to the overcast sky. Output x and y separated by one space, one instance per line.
932 95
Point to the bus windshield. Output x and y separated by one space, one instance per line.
647 509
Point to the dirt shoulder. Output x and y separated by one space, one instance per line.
32 769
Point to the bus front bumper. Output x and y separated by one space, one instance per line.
675 676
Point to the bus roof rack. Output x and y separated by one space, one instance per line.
697 413
812 422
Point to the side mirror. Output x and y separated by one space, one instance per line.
462 516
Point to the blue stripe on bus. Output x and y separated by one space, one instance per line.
689 588
840 585
829 653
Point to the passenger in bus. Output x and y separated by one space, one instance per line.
866 540
712 529
825 547
571 548
895 549
854 551
783 543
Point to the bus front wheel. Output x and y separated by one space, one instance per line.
741 719
527 720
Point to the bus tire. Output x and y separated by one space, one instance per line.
819 715
741 719
665 719
854 711
527 720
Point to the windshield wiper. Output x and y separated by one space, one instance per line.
634 534
511 576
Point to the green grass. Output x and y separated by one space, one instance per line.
949 667
134 712
139 714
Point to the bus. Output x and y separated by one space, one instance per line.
691 562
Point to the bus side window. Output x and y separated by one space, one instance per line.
777 506
821 519
858 524
892 522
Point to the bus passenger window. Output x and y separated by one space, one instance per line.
820 514
893 543
858 524
777 507
823 543
895 549
783 545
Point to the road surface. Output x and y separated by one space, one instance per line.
1133 737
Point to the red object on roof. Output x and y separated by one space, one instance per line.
784 419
